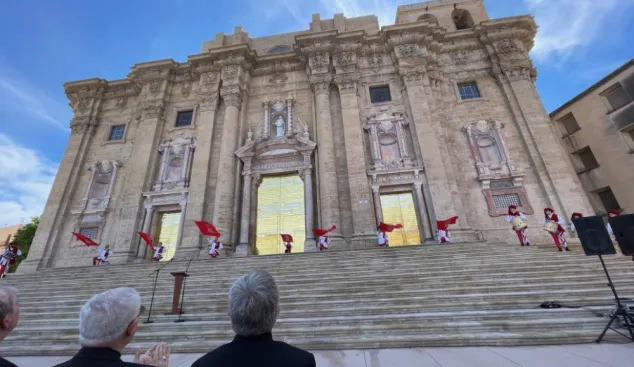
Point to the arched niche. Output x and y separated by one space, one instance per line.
429 18
462 19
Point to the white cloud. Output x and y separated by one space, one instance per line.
566 25
26 177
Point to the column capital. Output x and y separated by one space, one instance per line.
417 185
376 188
347 83
232 95
320 83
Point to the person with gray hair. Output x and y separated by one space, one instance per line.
254 304
9 316
107 324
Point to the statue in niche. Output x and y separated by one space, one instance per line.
489 153
279 127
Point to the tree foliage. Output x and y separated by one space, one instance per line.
24 237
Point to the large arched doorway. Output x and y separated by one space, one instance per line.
280 209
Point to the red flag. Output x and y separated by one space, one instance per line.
87 241
147 239
207 229
384 227
287 237
321 232
444 224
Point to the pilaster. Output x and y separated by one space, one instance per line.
85 99
235 76
208 95
345 59
508 49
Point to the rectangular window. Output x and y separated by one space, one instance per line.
184 118
90 232
617 97
506 200
588 161
380 94
469 90
569 124
608 199
116 133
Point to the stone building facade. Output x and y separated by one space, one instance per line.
596 128
434 116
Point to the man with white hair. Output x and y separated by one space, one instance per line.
9 316
254 304
107 323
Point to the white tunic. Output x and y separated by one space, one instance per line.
324 241
214 246
157 251
103 254
382 236
4 260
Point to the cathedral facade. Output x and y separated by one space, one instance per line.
345 123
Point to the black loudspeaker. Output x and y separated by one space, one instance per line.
594 236
623 228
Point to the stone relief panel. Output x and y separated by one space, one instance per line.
100 185
490 152
176 158
387 138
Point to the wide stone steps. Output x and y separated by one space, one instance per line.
459 294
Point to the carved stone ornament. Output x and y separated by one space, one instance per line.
320 83
232 95
388 141
82 124
208 102
413 75
460 57
176 155
154 86
319 62
152 110
209 78
490 152
347 83
231 74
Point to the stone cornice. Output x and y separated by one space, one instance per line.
147 72
521 27
121 88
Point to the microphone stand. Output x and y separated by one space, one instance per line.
180 311
157 271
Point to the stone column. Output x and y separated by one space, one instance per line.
309 242
378 209
179 237
147 227
245 215
363 220
422 211
326 153
225 187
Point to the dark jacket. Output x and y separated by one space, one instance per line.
98 357
260 351
5 363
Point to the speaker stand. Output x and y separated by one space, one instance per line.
621 311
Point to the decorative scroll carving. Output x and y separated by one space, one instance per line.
208 102
320 83
80 125
176 155
387 140
413 75
153 109
490 152
347 83
232 95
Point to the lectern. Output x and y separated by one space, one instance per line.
179 278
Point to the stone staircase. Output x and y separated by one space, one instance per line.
449 295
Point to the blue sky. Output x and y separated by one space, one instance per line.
46 43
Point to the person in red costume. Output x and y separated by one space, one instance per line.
574 216
560 236
324 241
443 229
8 258
521 233
288 243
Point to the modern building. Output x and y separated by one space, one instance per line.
344 123
597 130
